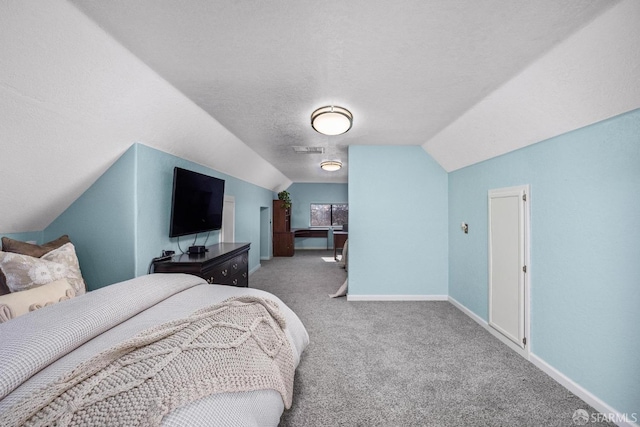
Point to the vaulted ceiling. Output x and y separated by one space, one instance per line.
406 70
232 84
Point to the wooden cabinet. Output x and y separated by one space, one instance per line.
283 241
281 217
283 244
222 264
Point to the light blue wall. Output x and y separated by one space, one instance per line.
101 225
302 195
398 222
155 178
122 221
585 251
35 236
585 279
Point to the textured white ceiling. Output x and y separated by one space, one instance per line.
589 77
407 70
72 100
231 84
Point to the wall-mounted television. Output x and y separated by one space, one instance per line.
196 203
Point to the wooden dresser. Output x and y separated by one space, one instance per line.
222 264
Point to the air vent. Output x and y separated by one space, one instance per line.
308 150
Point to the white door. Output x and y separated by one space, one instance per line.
228 232
508 251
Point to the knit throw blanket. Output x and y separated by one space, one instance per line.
237 345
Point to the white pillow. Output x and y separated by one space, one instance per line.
24 272
66 255
18 303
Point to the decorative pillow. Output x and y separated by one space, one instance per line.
3 285
16 246
66 255
36 251
24 272
24 248
19 303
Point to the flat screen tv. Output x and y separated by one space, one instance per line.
196 203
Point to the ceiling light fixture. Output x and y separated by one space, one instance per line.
331 120
331 165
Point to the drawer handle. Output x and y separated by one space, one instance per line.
225 272
244 275
235 282
210 280
235 266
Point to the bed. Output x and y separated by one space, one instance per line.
38 348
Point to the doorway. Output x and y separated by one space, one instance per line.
228 232
265 233
508 265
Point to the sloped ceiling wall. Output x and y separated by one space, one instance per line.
261 68
72 101
591 76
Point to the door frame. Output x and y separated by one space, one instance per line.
266 232
522 190
228 231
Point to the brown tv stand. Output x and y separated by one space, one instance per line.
222 264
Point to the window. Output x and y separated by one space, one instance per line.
327 214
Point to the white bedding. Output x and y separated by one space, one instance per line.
38 348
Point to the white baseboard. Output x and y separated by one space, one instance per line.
313 248
627 420
256 268
351 297
265 258
620 419
479 320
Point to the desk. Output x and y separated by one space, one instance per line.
312 232
339 237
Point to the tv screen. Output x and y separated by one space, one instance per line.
196 203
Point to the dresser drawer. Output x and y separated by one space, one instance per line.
220 278
241 279
224 263
238 264
233 272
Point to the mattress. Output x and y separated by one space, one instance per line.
38 348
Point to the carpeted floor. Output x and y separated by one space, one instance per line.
403 363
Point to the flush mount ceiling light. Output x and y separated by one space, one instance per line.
331 165
331 120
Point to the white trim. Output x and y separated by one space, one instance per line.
253 270
581 392
265 258
556 375
351 297
514 343
527 276
228 232
314 248
479 320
